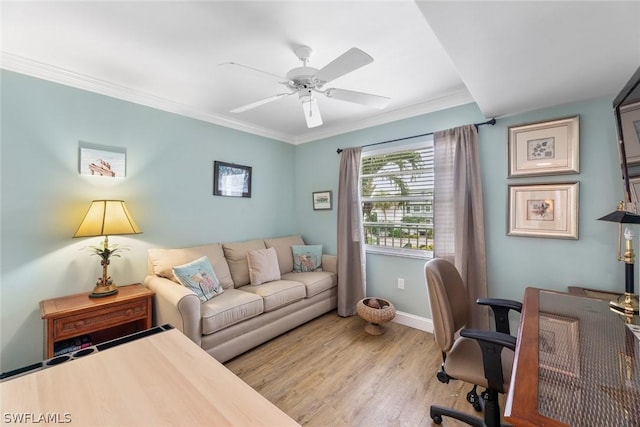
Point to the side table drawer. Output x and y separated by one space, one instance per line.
91 321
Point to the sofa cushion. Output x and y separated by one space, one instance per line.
306 258
232 307
263 266
282 245
236 255
314 281
277 294
198 276
163 260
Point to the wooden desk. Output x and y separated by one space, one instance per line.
586 372
161 380
105 318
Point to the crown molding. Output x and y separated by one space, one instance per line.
65 77
54 74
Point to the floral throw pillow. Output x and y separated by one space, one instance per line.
307 258
198 276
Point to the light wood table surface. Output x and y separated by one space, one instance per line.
161 380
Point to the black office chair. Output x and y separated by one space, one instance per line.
482 358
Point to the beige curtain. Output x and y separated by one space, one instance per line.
458 213
351 259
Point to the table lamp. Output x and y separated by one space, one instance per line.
628 302
105 218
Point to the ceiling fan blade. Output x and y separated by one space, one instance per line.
235 64
311 112
375 101
259 103
351 60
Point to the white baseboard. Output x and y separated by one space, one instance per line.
413 321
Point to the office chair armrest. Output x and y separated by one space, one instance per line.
492 343
501 309
490 337
508 303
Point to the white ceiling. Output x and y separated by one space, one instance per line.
508 57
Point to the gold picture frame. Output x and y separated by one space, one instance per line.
544 210
544 148
559 341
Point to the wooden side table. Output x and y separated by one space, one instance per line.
102 319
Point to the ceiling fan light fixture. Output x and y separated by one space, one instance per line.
311 111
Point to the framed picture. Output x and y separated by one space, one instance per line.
630 123
102 160
558 339
545 148
544 210
321 200
231 180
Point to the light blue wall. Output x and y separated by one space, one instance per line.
168 190
513 263
169 184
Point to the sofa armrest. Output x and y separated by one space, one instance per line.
176 305
330 263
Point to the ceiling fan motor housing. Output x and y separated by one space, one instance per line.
302 78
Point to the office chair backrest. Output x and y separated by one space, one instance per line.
448 301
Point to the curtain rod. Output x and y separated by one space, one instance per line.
488 122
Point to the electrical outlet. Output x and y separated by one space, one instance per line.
400 283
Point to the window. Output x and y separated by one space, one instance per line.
396 187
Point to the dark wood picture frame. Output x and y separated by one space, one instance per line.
231 180
322 200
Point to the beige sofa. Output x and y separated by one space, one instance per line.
243 316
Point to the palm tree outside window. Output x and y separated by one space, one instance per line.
396 185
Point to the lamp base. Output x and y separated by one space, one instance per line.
103 291
625 304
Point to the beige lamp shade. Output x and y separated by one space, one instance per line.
106 218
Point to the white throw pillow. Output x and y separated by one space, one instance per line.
263 266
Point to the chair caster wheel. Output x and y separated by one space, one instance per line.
437 419
472 397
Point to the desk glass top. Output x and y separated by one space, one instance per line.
589 362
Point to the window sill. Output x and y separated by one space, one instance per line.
399 252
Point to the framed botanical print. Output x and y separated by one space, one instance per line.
545 148
544 210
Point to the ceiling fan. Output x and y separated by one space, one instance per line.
306 82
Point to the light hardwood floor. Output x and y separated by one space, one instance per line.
329 372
